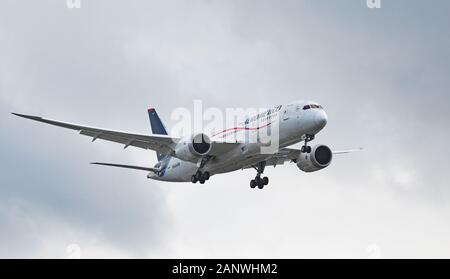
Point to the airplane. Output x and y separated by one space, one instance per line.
198 157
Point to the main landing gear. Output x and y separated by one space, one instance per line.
306 148
258 181
200 177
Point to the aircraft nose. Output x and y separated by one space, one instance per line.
320 119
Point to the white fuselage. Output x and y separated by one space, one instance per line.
290 123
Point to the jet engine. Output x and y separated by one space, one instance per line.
193 148
319 158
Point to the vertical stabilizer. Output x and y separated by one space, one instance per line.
157 127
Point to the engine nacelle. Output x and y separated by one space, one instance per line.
193 148
319 158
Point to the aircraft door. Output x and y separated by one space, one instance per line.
286 113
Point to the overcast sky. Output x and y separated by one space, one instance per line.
382 76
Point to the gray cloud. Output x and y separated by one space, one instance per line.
381 75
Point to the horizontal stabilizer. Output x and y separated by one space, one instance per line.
126 166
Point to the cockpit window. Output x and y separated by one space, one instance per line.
312 106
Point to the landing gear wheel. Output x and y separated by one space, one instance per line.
308 149
303 149
258 180
194 179
265 180
201 177
252 184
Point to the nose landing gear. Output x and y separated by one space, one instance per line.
258 181
200 177
306 148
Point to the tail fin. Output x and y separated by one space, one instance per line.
157 127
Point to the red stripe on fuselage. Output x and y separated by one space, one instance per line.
242 128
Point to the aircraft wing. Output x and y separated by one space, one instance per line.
290 154
283 155
127 166
161 143
347 151
219 147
